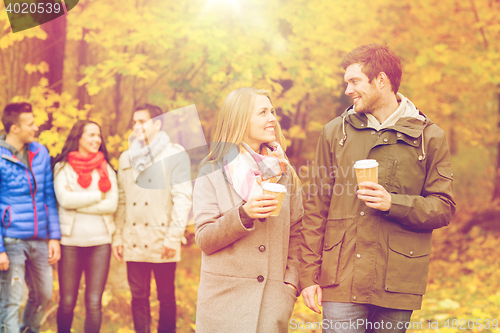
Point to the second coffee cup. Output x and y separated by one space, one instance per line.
278 191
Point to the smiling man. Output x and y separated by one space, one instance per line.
365 253
150 223
29 218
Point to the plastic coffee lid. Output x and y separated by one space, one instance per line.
273 187
365 164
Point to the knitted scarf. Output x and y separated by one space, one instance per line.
83 166
141 155
249 170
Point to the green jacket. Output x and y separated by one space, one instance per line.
362 255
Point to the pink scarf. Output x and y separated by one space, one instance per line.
249 170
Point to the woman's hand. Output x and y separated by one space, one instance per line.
260 206
292 286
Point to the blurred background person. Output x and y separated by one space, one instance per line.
87 193
151 221
29 217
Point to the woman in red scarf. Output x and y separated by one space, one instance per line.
87 193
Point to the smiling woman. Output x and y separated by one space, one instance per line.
87 193
262 123
249 270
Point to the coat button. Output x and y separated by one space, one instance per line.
411 253
385 140
362 213
133 245
362 125
149 180
358 255
262 248
146 224
399 135
415 141
163 224
373 132
134 204
420 158
354 298
145 203
260 278
146 246
133 224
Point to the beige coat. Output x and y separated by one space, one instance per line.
81 200
243 270
149 219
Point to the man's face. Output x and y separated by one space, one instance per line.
26 128
365 95
143 127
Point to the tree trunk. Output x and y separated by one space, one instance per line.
83 49
53 52
496 191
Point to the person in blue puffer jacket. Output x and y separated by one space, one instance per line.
29 221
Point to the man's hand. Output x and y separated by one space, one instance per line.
4 261
54 251
375 196
167 253
118 253
260 206
308 296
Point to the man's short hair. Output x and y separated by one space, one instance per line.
375 58
153 110
12 112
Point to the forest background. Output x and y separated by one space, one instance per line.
105 57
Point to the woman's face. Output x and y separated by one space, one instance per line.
90 142
262 124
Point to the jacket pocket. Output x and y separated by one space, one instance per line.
331 257
6 217
445 171
408 263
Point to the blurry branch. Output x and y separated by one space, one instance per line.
198 69
485 41
146 90
48 313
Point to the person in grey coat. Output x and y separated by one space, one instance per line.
249 269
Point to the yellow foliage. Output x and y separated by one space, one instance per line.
296 132
106 298
125 330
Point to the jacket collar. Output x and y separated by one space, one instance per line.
412 127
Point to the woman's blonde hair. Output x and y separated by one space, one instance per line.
232 121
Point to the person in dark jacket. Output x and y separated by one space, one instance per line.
29 217
365 252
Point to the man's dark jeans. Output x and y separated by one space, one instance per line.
139 279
